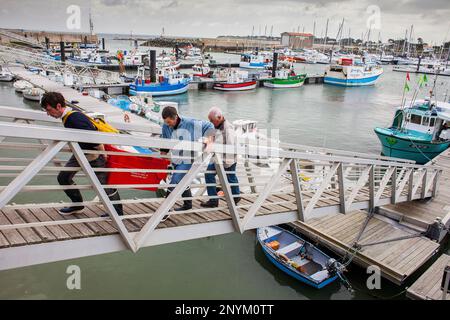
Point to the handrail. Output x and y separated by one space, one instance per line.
8 129
34 115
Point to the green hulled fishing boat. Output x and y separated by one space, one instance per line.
285 78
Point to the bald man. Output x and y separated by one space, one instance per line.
224 134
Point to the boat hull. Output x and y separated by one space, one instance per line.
31 97
235 86
368 81
6 78
297 276
154 91
284 83
419 151
266 234
249 65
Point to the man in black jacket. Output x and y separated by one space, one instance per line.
54 104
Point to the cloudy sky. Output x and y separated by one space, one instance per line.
210 18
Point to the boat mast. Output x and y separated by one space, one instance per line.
325 38
404 42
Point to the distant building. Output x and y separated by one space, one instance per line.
296 40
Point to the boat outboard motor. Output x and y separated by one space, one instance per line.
336 268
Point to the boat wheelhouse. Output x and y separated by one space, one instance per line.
253 61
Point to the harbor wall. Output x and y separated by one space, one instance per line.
54 37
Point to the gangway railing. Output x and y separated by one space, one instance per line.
290 189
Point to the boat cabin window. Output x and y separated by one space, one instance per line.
432 121
415 119
425 121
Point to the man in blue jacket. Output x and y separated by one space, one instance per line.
187 129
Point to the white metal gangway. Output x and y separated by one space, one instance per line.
82 74
297 185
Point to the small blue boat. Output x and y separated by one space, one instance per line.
297 257
169 83
418 132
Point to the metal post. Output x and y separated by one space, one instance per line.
297 189
418 63
341 189
152 66
371 189
221 173
445 282
103 44
62 49
424 185
274 63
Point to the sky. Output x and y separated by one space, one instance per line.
211 18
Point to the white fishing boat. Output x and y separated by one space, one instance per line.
201 70
6 75
350 72
424 69
21 85
33 94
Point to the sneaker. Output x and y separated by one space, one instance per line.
212 203
236 200
70 210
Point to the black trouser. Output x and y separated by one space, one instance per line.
66 178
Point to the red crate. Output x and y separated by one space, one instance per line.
118 161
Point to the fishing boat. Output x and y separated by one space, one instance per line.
285 78
201 70
236 80
417 132
33 94
424 69
21 85
253 61
169 82
6 75
352 72
143 106
297 257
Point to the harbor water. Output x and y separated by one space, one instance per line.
232 266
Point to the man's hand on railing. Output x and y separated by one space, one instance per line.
208 143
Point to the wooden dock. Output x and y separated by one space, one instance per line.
428 286
423 214
397 260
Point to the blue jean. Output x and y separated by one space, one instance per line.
211 178
178 176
